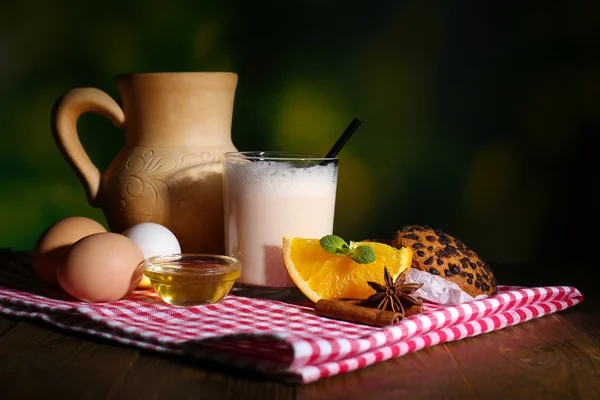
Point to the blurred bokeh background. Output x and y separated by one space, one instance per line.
479 118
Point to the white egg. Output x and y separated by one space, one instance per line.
153 239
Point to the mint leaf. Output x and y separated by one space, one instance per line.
335 245
360 254
363 254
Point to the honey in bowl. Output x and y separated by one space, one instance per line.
192 279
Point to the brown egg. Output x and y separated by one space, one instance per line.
50 250
101 267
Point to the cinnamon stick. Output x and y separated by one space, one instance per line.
350 310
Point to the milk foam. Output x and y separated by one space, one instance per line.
281 178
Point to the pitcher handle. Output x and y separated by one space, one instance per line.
65 113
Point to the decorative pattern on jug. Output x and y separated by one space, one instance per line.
175 187
164 177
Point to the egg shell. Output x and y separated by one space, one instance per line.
101 267
154 239
52 245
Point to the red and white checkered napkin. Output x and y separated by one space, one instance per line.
282 340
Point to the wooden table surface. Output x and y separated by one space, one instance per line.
553 357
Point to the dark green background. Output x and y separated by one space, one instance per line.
477 118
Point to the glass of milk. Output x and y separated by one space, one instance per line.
269 195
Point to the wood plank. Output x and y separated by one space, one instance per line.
425 374
42 363
6 324
71 365
155 376
544 358
585 318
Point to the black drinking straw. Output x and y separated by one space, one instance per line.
342 140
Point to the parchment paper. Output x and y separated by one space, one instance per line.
438 289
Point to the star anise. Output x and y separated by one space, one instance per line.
393 294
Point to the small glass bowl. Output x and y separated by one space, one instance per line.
192 279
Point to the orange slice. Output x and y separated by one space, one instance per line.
322 275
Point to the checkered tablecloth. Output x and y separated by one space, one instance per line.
285 341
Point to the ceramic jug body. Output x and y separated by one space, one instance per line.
169 171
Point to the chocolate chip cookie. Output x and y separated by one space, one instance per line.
441 254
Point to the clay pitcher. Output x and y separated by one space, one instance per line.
177 126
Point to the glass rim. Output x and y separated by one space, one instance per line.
277 156
188 264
